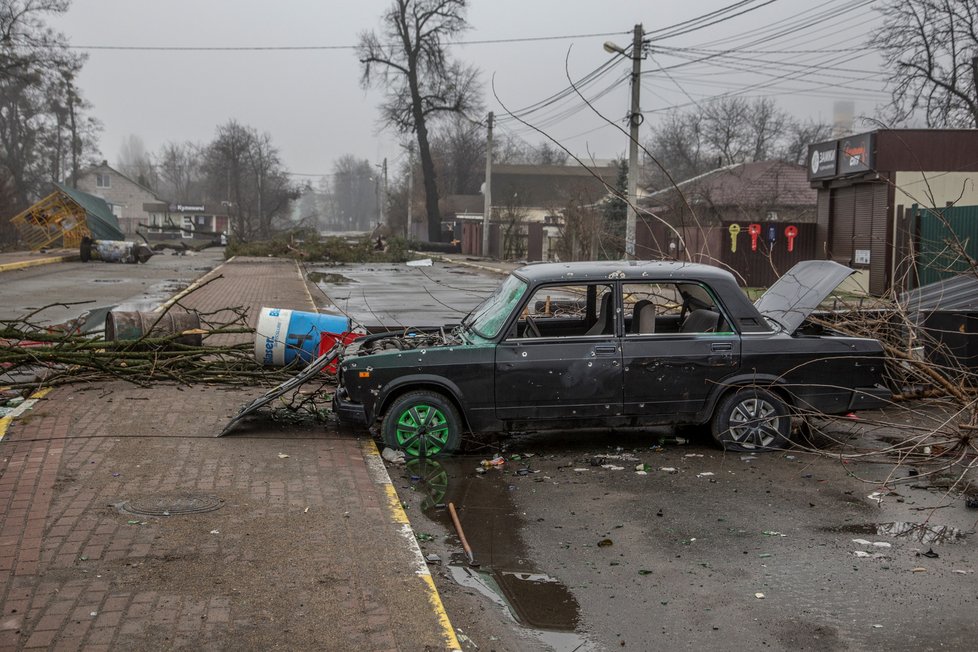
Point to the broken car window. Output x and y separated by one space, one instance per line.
489 317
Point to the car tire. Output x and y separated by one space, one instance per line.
422 424
751 419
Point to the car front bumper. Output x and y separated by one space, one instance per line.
347 410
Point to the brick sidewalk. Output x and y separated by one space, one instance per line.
302 552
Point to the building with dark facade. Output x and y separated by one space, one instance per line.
875 189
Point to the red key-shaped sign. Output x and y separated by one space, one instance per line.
791 233
755 231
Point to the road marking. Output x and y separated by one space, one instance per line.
24 264
20 409
378 473
305 285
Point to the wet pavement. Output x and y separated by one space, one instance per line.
606 540
97 287
401 296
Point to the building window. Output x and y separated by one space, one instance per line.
102 181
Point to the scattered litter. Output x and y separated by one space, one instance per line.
132 522
643 467
305 511
643 571
433 559
693 455
393 456
495 462
641 473
424 262
93 614
918 570
282 456
604 543
877 496
877 544
579 470
704 474
789 457
764 555
668 469
772 533
971 503
930 554
862 554
962 572
612 467
877 627
748 459
424 536
215 531
759 596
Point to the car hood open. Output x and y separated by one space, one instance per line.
796 294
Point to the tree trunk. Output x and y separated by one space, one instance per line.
424 151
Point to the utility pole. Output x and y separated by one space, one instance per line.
410 203
487 191
383 205
634 120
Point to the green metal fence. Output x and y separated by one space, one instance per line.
946 237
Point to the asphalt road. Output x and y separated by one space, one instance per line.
98 286
702 550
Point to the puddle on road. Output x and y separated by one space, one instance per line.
505 574
330 278
919 532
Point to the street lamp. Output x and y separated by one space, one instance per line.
635 119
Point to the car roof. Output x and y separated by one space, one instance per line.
622 270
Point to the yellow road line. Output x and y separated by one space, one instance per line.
305 285
7 420
24 264
378 472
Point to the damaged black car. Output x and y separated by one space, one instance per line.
615 344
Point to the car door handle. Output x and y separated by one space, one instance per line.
721 346
607 348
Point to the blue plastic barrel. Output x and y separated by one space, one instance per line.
282 335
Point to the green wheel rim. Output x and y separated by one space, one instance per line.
422 430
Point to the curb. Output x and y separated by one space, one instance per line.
24 264
378 473
23 407
166 305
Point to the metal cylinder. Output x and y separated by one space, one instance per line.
134 325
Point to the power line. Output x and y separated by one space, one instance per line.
314 48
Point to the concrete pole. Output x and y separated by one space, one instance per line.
634 120
487 195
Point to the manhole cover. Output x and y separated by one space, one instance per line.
172 504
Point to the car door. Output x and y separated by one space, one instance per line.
672 367
562 358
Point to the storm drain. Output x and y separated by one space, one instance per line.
172 504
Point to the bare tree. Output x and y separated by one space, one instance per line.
931 49
410 61
355 194
178 168
459 152
726 131
244 170
134 161
798 136
44 133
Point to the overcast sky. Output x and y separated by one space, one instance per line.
805 54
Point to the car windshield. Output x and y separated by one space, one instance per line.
486 320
